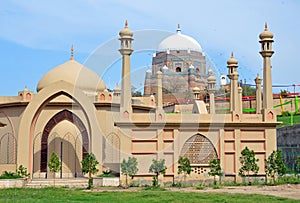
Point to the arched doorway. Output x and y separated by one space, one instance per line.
200 151
63 144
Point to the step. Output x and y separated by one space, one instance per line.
38 183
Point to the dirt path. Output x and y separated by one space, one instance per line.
289 191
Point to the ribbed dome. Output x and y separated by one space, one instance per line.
266 34
76 74
179 41
232 61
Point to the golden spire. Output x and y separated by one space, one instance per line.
126 24
266 26
72 53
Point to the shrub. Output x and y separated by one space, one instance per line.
285 114
10 175
105 175
200 187
154 188
22 171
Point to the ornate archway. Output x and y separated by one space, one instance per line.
61 116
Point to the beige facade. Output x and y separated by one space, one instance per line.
72 114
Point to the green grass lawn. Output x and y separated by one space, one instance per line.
286 120
73 195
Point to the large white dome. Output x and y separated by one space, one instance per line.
74 73
179 41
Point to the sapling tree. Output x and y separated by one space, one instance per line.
54 164
89 165
248 163
129 168
275 165
215 169
184 166
157 167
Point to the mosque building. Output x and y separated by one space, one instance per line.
72 113
183 63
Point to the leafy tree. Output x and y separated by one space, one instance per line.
129 168
248 163
184 166
54 164
157 167
22 171
215 169
137 94
89 164
275 165
248 90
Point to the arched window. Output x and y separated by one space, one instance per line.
102 97
28 96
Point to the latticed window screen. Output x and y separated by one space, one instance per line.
112 149
199 150
8 149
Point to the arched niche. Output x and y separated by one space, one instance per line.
57 118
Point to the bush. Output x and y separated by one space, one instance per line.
22 171
132 184
291 179
200 187
10 175
105 175
178 184
154 188
216 186
285 114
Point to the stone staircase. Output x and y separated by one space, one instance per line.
72 183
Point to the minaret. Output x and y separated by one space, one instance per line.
240 99
147 86
266 40
159 102
232 65
258 94
126 37
211 80
159 97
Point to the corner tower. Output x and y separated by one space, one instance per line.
126 38
266 40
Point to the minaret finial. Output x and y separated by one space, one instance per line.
232 55
266 26
72 52
126 24
178 28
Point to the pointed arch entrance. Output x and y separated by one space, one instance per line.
56 119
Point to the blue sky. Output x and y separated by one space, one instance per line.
37 35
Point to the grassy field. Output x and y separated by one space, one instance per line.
286 120
73 195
